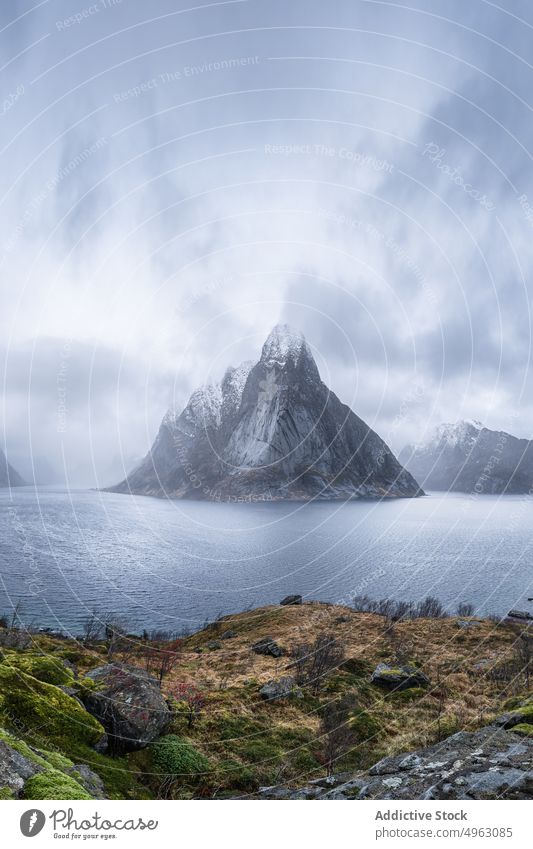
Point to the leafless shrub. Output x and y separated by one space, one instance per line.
402 649
116 636
524 656
396 611
430 608
92 627
160 660
464 608
338 738
312 662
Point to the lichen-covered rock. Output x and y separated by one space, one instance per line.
488 764
44 710
129 704
520 716
267 646
399 677
30 773
283 688
228 635
92 782
15 769
46 668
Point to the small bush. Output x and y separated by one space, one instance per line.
175 757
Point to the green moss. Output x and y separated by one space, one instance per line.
356 666
352 793
53 784
524 729
527 712
258 750
6 793
365 726
56 760
409 695
42 708
235 775
174 756
45 668
234 726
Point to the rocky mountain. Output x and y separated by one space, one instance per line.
467 457
8 475
269 431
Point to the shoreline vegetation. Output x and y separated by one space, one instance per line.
287 697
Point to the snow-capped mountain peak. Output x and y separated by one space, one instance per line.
457 433
282 344
269 432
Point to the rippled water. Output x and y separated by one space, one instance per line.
175 564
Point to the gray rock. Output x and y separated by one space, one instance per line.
468 624
487 764
129 704
228 635
267 646
15 769
283 688
512 718
399 677
520 614
213 645
291 599
88 779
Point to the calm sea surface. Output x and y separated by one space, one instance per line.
173 565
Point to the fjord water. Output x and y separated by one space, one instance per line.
174 565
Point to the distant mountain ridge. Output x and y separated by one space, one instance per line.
269 431
468 457
8 475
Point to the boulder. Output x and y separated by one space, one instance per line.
520 716
283 688
399 677
89 780
292 599
228 635
522 615
213 645
129 704
15 769
267 646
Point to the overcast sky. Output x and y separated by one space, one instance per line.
177 178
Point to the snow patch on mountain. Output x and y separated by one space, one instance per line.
282 344
458 433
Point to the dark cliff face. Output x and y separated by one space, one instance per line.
8 475
269 431
467 457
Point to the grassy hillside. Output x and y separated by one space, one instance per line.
225 739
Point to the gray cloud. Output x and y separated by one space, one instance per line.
174 182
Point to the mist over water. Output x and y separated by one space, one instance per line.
172 565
